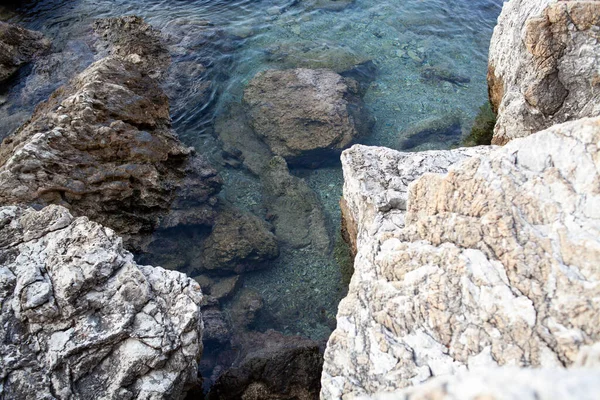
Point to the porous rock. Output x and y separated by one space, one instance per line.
80 319
304 115
543 65
493 263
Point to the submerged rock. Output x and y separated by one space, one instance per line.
294 207
271 366
102 146
18 46
80 319
443 131
305 115
329 5
493 263
543 65
239 242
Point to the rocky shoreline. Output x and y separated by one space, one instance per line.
473 267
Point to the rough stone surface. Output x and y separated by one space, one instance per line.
80 319
297 214
494 263
239 242
102 146
302 114
543 65
18 46
271 366
504 384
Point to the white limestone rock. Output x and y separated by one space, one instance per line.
81 320
543 65
493 263
505 384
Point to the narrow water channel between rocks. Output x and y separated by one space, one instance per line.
421 65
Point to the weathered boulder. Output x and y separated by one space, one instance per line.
504 384
294 207
18 46
304 115
543 65
271 366
80 319
102 146
493 263
239 242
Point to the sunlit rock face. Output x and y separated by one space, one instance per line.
80 319
489 260
543 65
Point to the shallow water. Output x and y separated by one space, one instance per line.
403 38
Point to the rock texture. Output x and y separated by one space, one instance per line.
302 114
504 384
18 46
493 263
102 146
80 319
543 65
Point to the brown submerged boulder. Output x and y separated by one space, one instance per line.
239 242
103 147
18 46
304 115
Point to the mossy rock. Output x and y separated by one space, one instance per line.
483 127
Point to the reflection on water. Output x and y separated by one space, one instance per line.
431 58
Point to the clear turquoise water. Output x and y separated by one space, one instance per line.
402 37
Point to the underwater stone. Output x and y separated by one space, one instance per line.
306 115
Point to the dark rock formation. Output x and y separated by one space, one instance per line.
18 46
272 367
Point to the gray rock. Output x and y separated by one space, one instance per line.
543 65
305 115
18 46
493 263
80 319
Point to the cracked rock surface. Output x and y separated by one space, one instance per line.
80 319
543 65
493 263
